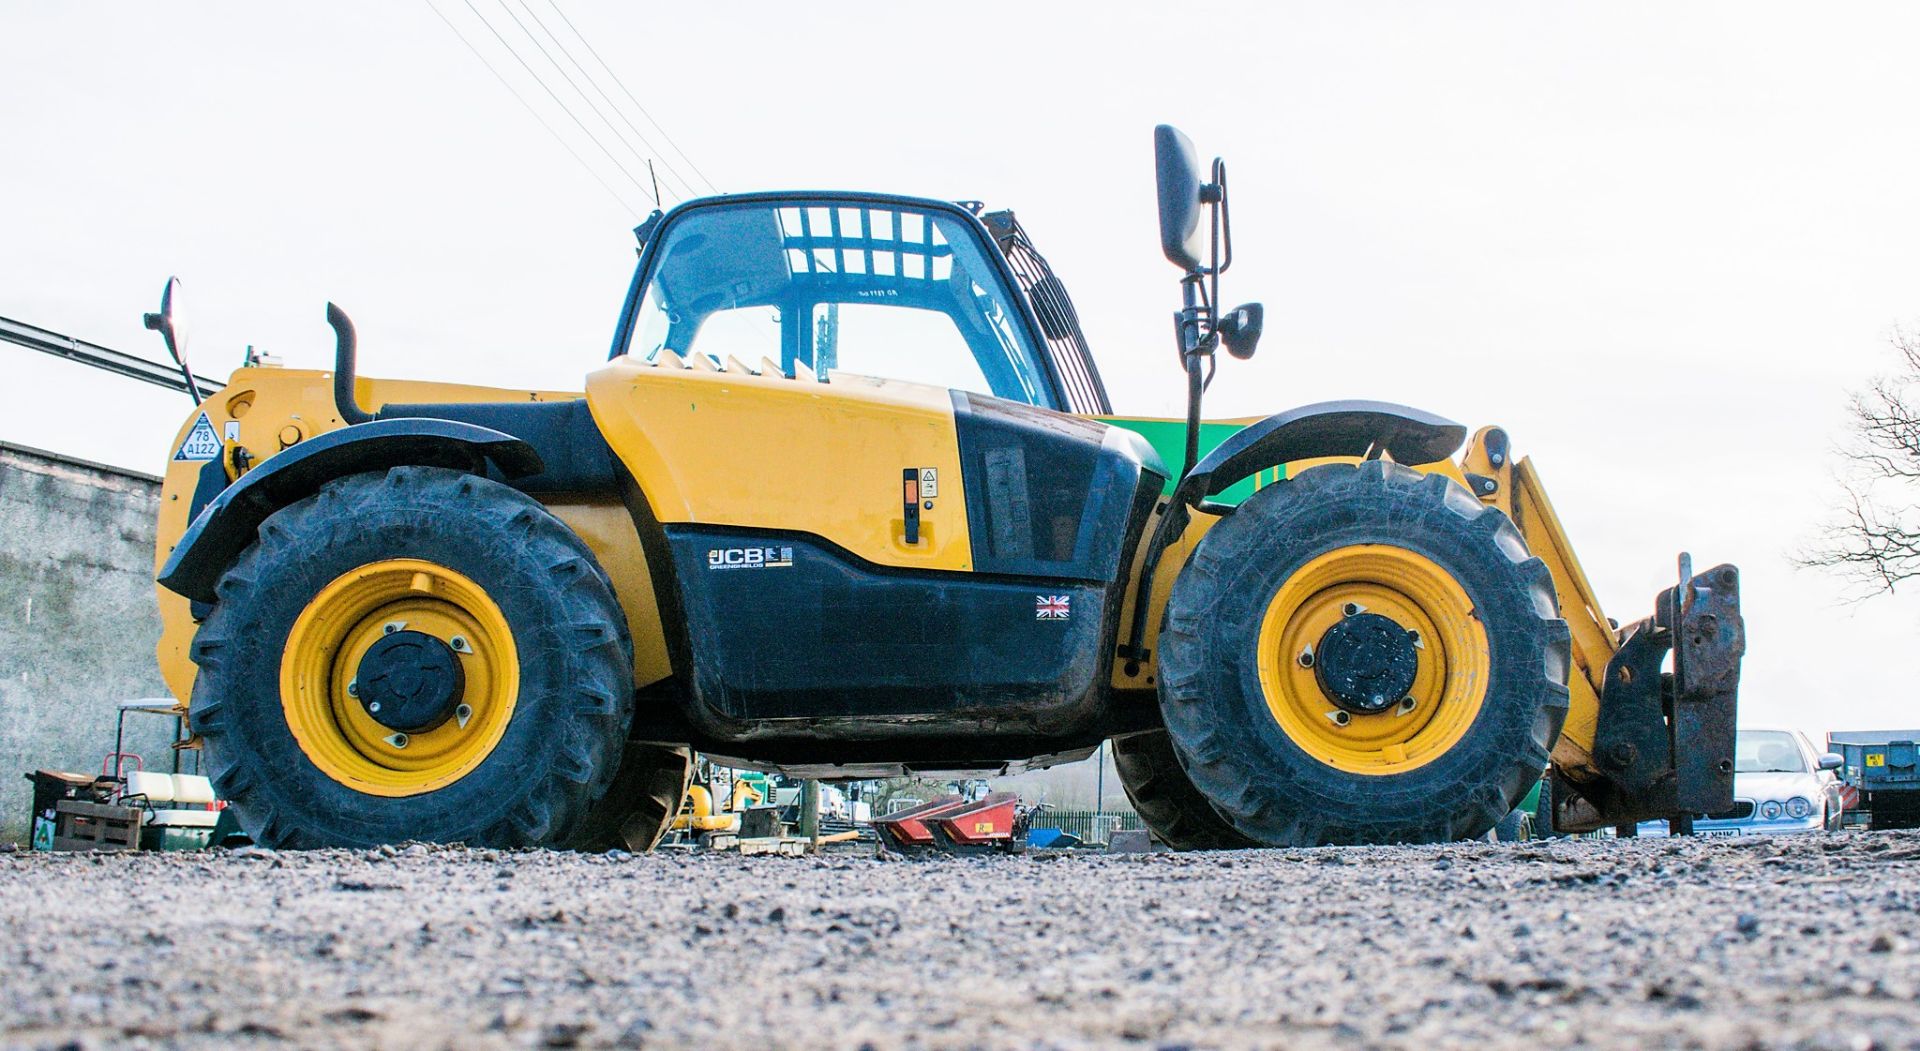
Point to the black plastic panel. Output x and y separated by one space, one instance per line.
785 631
574 458
1049 495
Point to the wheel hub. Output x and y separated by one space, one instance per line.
409 681
1366 663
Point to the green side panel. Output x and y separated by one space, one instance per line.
1169 439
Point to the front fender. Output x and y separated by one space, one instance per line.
1329 428
231 520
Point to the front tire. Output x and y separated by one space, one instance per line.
1363 654
1165 798
415 655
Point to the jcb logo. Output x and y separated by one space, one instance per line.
750 558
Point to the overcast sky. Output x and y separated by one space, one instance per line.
1657 242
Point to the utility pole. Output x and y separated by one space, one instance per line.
810 811
1100 780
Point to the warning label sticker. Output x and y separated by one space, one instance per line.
202 443
929 482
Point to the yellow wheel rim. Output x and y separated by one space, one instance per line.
336 630
1449 685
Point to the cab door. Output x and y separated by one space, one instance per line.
798 406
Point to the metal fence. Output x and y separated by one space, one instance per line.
1090 826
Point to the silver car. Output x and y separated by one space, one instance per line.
1780 784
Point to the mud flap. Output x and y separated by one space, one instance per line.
1664 742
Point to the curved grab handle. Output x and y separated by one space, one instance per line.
344 401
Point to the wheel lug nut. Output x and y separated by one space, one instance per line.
397 740
462 714
1306 657
459 644
353 687
1339 717
1406 705
1352 609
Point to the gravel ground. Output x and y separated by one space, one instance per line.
1807 941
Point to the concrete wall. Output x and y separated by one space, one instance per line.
78 623
1072 786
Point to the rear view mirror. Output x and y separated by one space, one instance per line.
1832 761
1177 168
171 323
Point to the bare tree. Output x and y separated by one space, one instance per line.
1874 538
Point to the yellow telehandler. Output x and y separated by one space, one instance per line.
848 500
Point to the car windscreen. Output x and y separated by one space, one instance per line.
880 289
1767 752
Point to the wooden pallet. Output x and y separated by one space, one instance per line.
80 825
787 846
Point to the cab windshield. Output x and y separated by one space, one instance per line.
1767 752
863 287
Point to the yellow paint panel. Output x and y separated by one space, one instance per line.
608 531
1524 499
763 451
277 408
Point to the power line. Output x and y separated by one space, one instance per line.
568 77
636 102
557 137
564 108
611 104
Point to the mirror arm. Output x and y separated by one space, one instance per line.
1225 216
158 323
1196 386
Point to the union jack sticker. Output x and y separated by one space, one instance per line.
1052 607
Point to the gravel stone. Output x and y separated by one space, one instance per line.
1790 942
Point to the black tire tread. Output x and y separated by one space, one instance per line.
1272 806
642 802
1166 799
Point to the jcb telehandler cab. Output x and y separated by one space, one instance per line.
849 500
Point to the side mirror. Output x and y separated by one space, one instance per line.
1240 329
1832 761
171 323
1177 169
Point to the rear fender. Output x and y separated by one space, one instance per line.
229 521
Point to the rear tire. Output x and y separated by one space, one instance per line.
1516 827
1489 693
553 650
1165 798
642 802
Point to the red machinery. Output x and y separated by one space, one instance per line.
957 825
